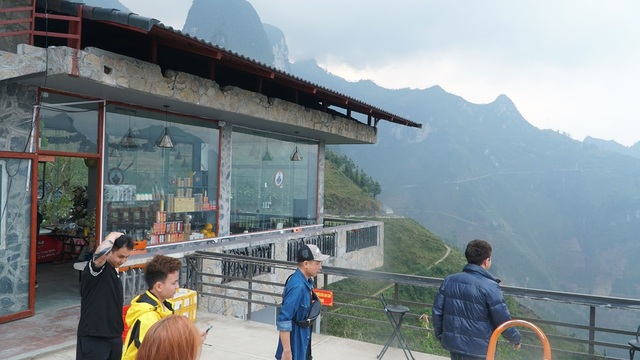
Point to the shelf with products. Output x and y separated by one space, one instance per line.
145 221
160 217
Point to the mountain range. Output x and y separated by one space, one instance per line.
561 214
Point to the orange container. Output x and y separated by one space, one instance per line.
140 245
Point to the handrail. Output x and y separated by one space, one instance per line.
202 278
491 352
27 19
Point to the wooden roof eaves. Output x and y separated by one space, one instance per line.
194 45
185 42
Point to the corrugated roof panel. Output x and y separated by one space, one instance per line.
142 22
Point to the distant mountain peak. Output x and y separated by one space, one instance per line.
233 25
613 146
504 100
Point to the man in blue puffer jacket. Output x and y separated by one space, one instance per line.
469 306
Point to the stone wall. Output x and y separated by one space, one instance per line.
16 117
117 71
16 102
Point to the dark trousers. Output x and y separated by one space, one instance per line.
98 348
309 357
455 356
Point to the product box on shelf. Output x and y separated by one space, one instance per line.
119 193
183 204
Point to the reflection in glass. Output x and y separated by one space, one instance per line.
160 194
274 193
68 124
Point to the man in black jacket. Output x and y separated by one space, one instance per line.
469 306
100 327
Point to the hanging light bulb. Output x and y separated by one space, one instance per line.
165 140
296 155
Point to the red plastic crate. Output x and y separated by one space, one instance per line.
124 320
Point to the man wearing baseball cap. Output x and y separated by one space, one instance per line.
295 334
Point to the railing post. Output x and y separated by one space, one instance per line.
249 292
187 273
196 275
592 329
32 25
396 292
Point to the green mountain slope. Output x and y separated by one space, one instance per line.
409 248
343 197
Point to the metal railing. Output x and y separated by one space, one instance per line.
27 15
260 291
234 269
325 242
362 238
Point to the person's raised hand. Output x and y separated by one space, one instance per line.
204 333
100 255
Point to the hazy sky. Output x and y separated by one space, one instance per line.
568 65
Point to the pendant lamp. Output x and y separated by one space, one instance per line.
165 140
267 154
114 152
254 152
128 141
296 155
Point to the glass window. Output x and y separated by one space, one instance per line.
160 194
68 124
273 182
63 187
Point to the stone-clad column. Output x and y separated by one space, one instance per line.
224 210
16 127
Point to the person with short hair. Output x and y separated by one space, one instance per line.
295 340
469 306
161 274
173 337
100 327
